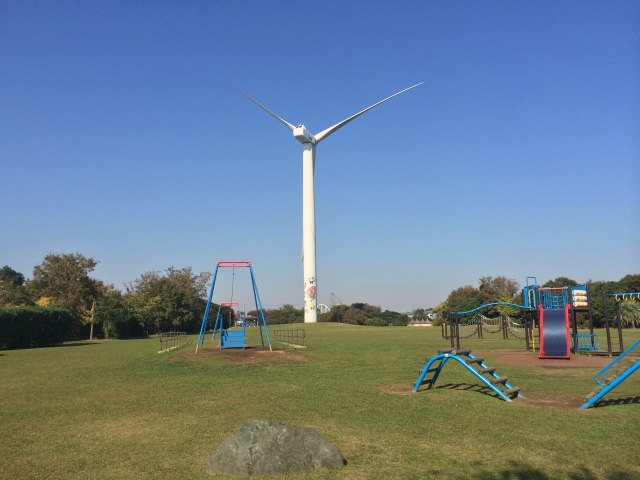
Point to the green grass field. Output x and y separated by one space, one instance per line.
119 410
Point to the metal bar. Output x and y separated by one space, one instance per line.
611 386
606 322
491 304
256 295
619 328
200 341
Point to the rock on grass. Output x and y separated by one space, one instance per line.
267 447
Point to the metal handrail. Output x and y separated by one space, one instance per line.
606 368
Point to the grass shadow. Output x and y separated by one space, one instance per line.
630 400
523 471
76 344
469 387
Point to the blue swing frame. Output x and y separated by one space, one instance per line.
232 339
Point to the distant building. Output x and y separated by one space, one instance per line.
421 323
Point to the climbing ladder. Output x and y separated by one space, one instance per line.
473 364
606 384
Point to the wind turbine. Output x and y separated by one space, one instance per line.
309 142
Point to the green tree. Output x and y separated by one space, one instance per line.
354 316
422 314
500 289
389 317
174 300
462 299
13 291
285 314
64 278
115 317
560 282
493 288
630 283
334 315
630 313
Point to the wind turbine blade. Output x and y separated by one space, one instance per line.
325 133
281 120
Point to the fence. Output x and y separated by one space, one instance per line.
172 340
480 326
293 336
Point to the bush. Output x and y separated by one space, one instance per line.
29 327
395 319
376 322
115 318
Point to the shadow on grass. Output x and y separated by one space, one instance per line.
618 401
522 471
75 344
469 387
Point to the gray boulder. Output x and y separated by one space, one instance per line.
267 447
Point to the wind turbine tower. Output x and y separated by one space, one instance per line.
309 143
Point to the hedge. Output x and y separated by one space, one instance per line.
28 327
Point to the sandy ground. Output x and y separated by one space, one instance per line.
250 355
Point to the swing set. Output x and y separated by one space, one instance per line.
233 338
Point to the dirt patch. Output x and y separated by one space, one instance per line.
396 389
555 401
538 400
248 356
517 357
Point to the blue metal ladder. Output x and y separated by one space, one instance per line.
470 362
606 384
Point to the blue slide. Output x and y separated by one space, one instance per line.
554 332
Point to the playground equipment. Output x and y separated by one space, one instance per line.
480 325
589 342
293 336
232 338
545 299
613 327
607 384
554 332
475 365
171 340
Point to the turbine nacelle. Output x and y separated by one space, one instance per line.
303 135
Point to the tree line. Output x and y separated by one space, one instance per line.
175 299
502 289
354 314
155 302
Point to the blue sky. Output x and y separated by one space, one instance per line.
123 137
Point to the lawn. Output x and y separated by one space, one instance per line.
119 410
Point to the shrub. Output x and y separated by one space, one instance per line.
375 322
29 327
115 317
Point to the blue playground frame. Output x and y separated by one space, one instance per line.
607 384
468 361
233 338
